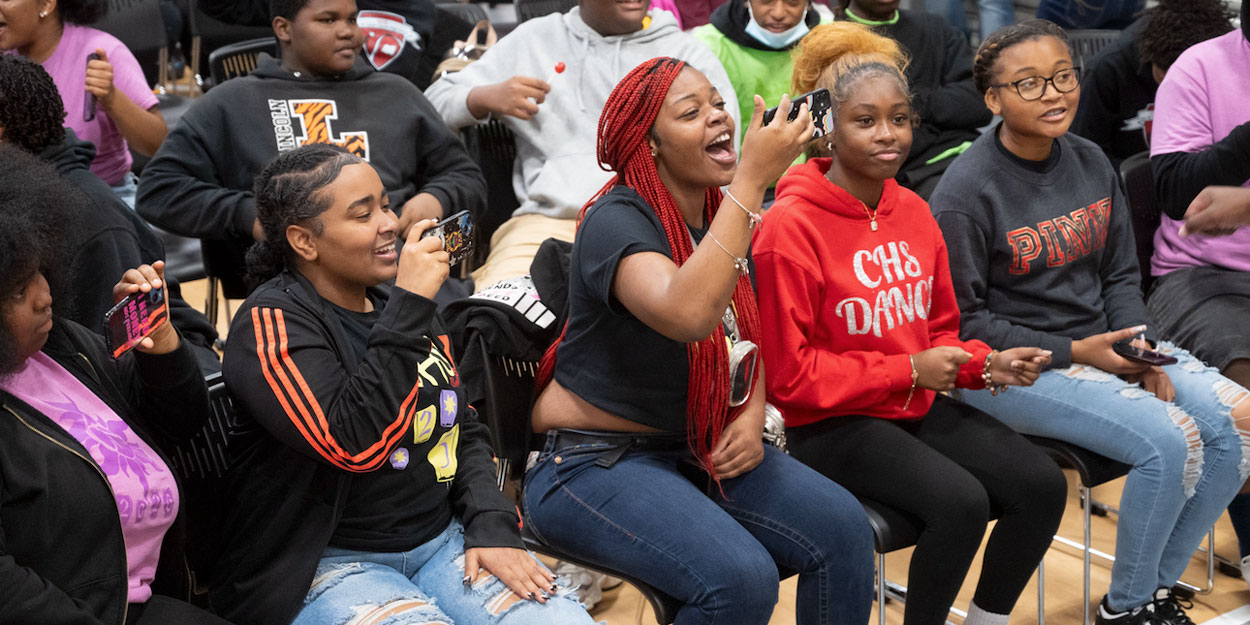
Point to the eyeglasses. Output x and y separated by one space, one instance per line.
1034 87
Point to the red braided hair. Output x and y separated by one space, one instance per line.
623 127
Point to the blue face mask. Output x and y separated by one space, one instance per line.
771 39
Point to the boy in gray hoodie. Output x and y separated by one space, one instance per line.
556 170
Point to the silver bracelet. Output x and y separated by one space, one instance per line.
739 263
755 217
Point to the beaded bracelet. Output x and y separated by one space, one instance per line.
915 376
755 217
987 377
739 262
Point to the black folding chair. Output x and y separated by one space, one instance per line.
1085 43
1139 190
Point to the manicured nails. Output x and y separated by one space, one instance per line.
466 580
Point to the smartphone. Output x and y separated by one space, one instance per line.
88 103
1144 356
134 318
456 233
819 104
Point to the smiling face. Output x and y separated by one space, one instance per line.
872 135
1032 124
778 15
28 316
356 246
693 136
19 22
323 40
614 17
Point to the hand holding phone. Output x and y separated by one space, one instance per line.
1133 353
819 104
456 233
88 104
140 317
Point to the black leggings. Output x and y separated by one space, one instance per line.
954 469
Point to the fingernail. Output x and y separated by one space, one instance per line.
466 580
545 596
529 596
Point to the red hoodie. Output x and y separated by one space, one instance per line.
842 306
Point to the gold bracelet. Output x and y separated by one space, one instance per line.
755 217
739 262
915 376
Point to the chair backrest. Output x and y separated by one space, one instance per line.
530 9
140 25
1143 204
238 59
493 147
470 13
509 387
1086 43
205 458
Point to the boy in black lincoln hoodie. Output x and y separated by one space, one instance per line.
199 183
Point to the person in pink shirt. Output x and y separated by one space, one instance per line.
1201 291
55 34
90 511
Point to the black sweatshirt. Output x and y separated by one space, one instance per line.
199 184
1039 258
943 91
109 239
1180 176
1117 97
319 420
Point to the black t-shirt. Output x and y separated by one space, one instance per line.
608 357
381 514
1038 167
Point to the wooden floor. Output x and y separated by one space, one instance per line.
624 606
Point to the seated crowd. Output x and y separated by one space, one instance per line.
940 264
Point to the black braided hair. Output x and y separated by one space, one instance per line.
289 192
1175 25
31 113
998 41
35 225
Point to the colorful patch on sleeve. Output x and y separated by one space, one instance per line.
399 459
447 404
443 455
423 425
437 362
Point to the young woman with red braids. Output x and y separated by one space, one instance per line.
653 403
861 329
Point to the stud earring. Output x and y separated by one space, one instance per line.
43 14
654 152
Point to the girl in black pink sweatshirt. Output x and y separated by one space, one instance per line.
1042 253
861 328
364 483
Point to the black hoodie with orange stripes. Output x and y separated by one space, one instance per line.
329 433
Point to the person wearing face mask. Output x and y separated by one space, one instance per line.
752 39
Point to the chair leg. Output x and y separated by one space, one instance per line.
881 588
1041 592
210 303
1085 494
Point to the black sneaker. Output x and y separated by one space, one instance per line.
1170 608
1141 615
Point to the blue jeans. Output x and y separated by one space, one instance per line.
651 516
993 14
127 188
422 585
1188 457
1077 14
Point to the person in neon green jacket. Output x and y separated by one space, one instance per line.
752 39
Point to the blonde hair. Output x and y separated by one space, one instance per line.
837 55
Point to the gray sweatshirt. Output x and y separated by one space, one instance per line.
1039 258
556 170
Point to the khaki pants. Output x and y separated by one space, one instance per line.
514 245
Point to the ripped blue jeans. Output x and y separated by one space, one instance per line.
1189 459
421 586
